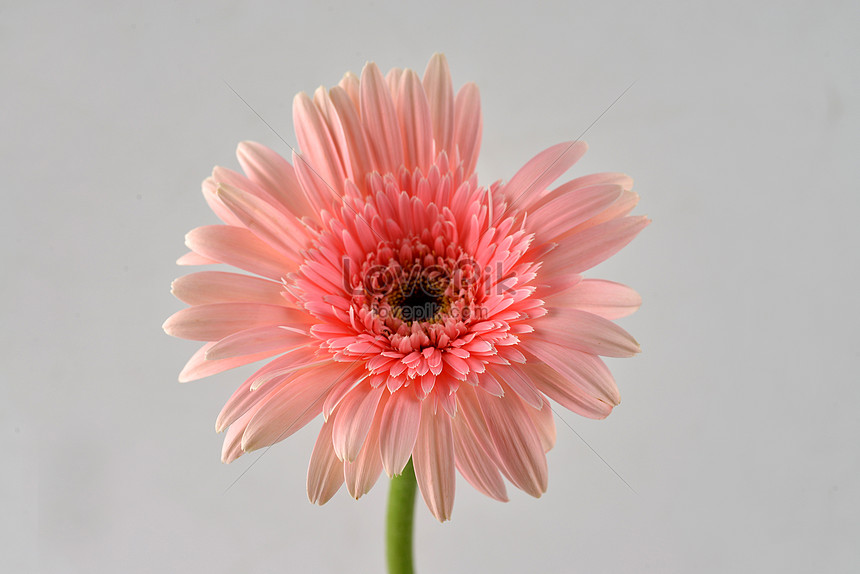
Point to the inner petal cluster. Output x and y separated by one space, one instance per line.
421 297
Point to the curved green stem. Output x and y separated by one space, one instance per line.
398 528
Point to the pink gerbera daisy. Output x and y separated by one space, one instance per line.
423 315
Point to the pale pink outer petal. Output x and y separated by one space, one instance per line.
517 442
392 78
586 332
360 161
473 462
582 251
440 96
558 216
416 129
293 406
468 124
564 391
433 457
231 449
467 403
518 383
318 192
337 394
245 398
214 321
240 248
398 430
223 287
325 471
352 421
192 258
622 207
316 142
225 176
278 229
607 299
380 120
561 282
323 102
603 178
257 340
544 424
533 178
350 84
583 369
361 474
199 367
210 194
274 174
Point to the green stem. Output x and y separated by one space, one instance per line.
401 508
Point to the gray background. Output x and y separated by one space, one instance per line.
739 425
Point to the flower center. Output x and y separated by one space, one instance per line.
419 300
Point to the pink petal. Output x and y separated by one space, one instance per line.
604 178
468 124
380 120
316 142
392 78
323 103
584 250
350 84
399 429
566 392
467 403
318 192
582 369
560 282
544 425
325 471
232 447
240 248
199 367
192 258
623 206
585 332
433 457
210 194
215 321
257 340
353 419
293 406
566 209
337 394
415 125
276 228
547 166
250 394
476 466
604 298
520 384
361 474
274 174
517 442
360 161
440 96
222 287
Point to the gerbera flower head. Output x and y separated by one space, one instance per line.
421 314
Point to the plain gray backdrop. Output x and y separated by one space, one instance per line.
738 430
